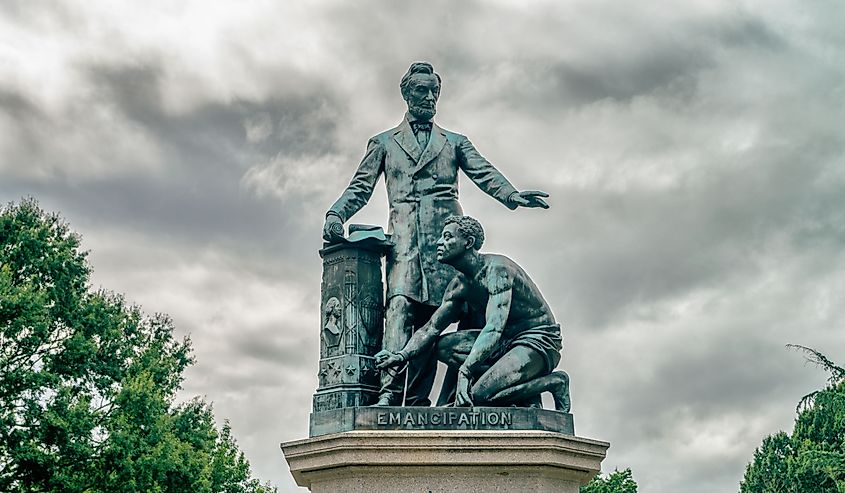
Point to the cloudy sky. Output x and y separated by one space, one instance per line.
693 152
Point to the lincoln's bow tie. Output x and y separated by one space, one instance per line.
417 126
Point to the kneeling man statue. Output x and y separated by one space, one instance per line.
511 360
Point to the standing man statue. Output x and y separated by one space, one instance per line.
511 360
420 162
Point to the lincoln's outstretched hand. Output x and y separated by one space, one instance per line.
530 198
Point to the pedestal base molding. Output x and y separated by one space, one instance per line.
444 461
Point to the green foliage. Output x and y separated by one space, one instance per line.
615 482
812 459
87 382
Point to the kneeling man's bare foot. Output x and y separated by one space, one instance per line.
559 388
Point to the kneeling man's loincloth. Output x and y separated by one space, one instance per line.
545 339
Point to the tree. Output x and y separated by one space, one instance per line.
87 381
812 459
615 482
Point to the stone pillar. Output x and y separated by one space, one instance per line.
351 324
444 461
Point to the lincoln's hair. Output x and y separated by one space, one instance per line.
416 68
468 227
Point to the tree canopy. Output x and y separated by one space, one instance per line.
88 382
615 482
812 458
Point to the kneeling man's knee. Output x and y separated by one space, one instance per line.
481 394
445 346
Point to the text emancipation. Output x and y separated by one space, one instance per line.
450 418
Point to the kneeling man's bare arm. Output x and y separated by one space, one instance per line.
499 285
448 312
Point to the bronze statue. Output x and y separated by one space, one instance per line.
420 163
511 360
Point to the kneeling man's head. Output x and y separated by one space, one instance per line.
461 235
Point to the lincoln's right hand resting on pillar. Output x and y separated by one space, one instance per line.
333 228
511 360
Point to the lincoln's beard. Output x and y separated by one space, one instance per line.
421 112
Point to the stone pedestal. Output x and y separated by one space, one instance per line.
444 461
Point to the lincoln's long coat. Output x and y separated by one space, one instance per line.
422 189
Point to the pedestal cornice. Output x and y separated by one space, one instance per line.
373 459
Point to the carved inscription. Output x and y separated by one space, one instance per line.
447 418
437 418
